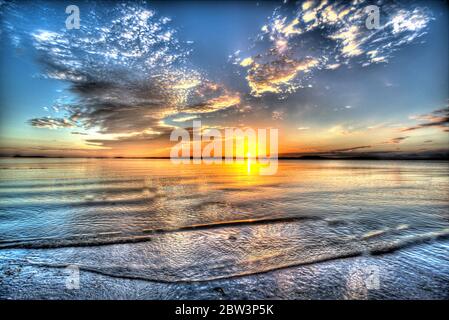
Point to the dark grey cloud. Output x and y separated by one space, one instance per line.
438 119
396 140
350 149
51 123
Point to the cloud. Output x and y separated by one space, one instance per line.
127 140
436 119
275 75
277 115
244 109
186 118
396 140
218 103
126 73
344 108
126 69
351 149
322 35
344 129
51 123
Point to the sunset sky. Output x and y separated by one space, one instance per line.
134 72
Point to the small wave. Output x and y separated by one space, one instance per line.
233 223
97 239
137 274
409 241
123 273
374 233
67 183
53 243
210 269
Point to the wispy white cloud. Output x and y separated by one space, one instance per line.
324 35
185 118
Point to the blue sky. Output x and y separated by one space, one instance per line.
136 71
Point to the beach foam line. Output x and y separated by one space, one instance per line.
120 272
74 236
374 233
410 241
68 243
232 223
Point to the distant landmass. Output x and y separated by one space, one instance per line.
444 155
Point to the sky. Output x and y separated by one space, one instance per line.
135 71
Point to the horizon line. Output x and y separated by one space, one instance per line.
284 157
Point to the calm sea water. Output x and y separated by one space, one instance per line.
150 219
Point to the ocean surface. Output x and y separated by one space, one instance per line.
318 227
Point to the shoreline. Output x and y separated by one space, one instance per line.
401 276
